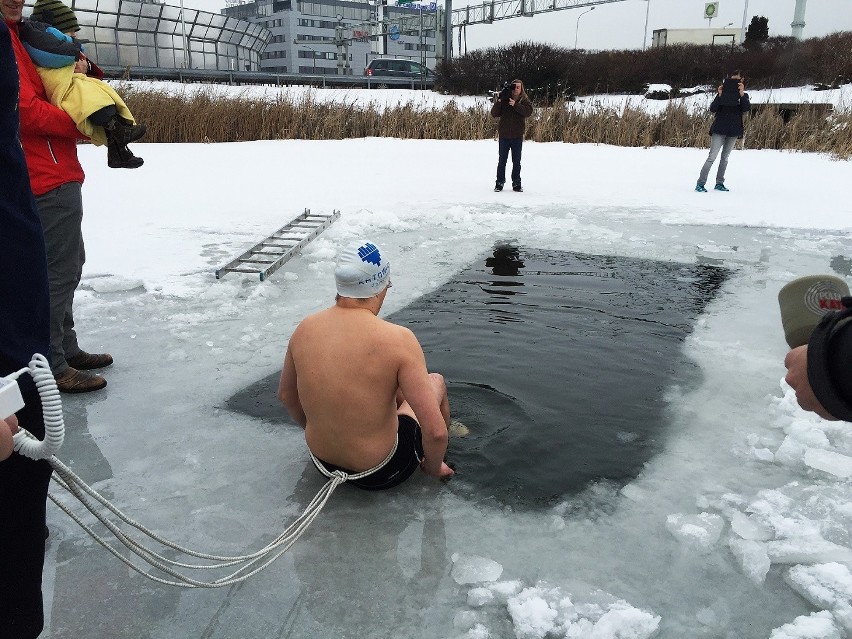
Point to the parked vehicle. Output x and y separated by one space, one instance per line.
397 68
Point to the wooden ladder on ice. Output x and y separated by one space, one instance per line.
272 253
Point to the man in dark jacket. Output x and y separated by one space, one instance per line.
730 103
821 371
49 138
24 331
512 111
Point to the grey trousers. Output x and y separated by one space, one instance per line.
61 213
726 144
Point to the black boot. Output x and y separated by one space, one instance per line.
121 157
123 131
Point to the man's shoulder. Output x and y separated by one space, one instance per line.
308 321
402 339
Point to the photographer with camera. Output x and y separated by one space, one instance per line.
512 106
820 371
730 103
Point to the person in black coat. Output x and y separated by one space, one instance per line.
730 103
821 371
24 331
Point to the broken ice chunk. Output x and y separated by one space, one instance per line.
702 530
465 620
763 454
532 616
749 527
477 597
806 550
752 557
817 625
829 462
826 586
471 569
504 589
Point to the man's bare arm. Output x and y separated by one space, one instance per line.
413 379
288 391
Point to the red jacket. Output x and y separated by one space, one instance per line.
48 135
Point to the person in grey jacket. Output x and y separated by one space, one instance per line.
730 103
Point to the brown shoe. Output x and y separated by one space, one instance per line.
74 381
84 361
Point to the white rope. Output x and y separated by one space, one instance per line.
249 564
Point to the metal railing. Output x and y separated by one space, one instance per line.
493 10
264 77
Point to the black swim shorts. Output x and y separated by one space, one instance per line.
406 459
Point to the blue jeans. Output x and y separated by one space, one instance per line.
506 145
718 142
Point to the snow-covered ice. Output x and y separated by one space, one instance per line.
160 443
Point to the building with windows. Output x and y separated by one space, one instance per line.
722 36
148 33
339 36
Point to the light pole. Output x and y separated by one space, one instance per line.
577 30
745 14
313 58
645 37
183 29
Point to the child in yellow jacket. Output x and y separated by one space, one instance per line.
98 111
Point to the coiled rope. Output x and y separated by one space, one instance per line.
250 564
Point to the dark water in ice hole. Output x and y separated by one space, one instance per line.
557 362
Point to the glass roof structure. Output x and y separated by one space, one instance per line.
148 34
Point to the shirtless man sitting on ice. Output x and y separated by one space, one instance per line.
359 386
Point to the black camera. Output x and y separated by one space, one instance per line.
507 91
730 92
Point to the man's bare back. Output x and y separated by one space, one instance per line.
348 375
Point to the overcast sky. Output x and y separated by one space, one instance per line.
621 25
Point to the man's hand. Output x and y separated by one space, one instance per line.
82 65
796 362
511 101
8 427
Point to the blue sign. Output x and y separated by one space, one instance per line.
394 32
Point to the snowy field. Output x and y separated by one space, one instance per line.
740 529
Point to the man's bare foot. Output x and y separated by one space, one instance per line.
457 429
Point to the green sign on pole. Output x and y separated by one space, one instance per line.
711 10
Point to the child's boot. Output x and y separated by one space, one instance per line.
121 157
121 131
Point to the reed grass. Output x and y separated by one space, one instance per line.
206 117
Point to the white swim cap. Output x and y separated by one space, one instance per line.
361 271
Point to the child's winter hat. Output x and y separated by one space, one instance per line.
56 14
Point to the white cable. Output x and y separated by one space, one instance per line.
252 563
54 425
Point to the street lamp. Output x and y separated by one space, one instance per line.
313 57
745 13
577 30
183 30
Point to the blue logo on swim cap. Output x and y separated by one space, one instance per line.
370 253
